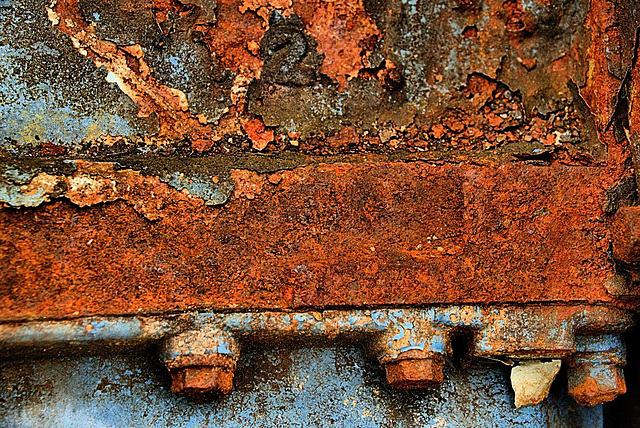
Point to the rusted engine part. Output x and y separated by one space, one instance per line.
201 349
127 236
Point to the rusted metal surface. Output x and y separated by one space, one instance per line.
625 235
440 75
201 351
385 233
201 362
414 369
241 156
507 199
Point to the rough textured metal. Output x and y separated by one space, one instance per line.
201 350
201 362
440 74
162 156
414 369
385 233
300 387
625 234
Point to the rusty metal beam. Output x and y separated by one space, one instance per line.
324 235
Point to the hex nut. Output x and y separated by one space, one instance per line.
201 362
592 384
202 381
415 372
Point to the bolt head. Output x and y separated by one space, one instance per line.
595 384
202 382
415 373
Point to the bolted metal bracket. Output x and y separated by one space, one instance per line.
201 362
201 350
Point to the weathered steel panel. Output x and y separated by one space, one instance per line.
322 235
394 159
320 387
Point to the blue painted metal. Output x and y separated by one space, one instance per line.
67 100
588 338
544 331
299 387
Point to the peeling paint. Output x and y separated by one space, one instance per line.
98 182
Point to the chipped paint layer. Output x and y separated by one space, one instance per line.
94 183
421 77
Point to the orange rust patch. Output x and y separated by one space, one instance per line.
325 235
602 87
342 30
258 133
234 38
588 392
248 184
263 8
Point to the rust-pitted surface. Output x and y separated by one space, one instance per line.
492 144
316 236
336 77
625 235
414 369
598 387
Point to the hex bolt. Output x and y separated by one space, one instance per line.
625 235
201 363
595 383
414 369
204 377
595 373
